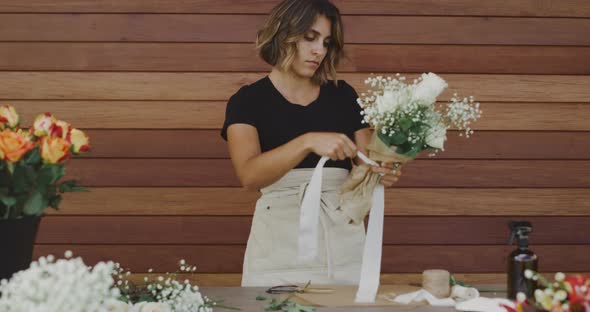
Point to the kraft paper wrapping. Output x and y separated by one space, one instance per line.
343 296
357 190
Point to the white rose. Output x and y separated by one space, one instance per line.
436 137
117 306
428 89
390 101
151 307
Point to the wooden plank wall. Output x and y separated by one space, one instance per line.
149 79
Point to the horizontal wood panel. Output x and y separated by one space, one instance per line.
211 114
242 57
396 259
493 281
419 173
564 8
220 86
235 230
209 144
215 28
130 201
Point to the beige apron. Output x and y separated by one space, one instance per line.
272 253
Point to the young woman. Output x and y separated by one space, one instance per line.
278 127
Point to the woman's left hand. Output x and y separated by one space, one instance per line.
389 174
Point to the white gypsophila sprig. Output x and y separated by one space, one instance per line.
381 105
56 286
462 112
168 294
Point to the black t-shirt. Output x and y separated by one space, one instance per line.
279 121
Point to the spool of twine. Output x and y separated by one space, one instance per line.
437 282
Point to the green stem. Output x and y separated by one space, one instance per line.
225 307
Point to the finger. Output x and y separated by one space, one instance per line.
388 180
333 156
386 183
387 165
350 144
348 151
341 154
378 169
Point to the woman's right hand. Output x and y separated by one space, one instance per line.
337 146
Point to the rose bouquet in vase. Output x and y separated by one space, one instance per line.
406 121
31 165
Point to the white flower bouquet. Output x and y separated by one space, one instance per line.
70 285
57 286
406 121
405 117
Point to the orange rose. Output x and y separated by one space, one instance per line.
79 140
61 129
43 125
54 149
8 116
14 145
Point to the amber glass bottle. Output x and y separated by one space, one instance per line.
520 260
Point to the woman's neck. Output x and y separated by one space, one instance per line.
291 82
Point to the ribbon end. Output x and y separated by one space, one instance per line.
365 298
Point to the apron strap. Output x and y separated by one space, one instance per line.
310 215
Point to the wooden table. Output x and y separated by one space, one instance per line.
245 299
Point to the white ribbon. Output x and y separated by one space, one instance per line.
308 232
422 295
310 215
371 267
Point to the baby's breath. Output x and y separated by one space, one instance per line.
405 115
62 285
168 291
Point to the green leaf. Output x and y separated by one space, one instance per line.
455 282
260 298
287 305
146 298
55 201
396 139
405 123
274 305
50 174
33 157
10 167
71 186
35 204
21 182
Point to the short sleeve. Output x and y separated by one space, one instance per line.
238 110
356 119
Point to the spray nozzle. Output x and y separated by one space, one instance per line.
520 230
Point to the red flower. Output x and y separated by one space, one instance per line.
578 288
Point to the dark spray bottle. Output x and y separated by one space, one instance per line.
520 260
